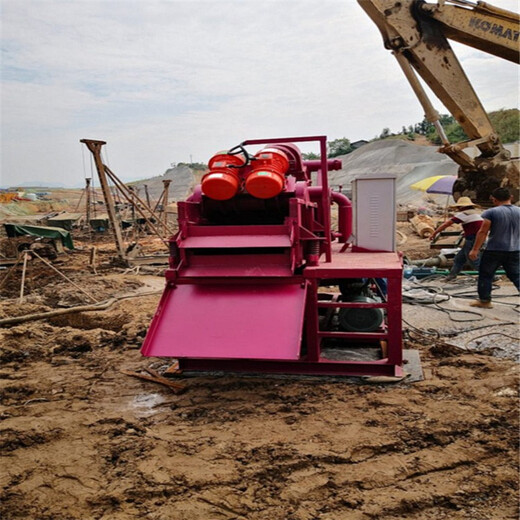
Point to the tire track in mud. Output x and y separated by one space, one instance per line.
437 441
283 463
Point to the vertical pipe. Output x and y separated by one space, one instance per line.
325 197
393 312
344 210
344 215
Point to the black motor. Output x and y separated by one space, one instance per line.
358 290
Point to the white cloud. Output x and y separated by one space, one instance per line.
163 80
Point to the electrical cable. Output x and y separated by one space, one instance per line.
439 292
422 332
473 294
473 329
491 334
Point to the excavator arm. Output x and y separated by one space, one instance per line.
417 33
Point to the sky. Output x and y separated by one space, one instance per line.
168 81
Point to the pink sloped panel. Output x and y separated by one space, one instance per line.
249 241
247 321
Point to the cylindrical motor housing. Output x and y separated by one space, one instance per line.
267 176
358 319
223 179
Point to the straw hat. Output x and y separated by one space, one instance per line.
463 202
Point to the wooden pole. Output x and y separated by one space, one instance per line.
95 149
134 203
147 195
66 277
79 201
446 208
24 269
11 271
158 201
123 189
165 202
87 203
92 259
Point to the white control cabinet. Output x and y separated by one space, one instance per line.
374 212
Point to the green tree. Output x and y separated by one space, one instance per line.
423 127
452 129
310 156
339 147
455 133
385 133
405 133
507 124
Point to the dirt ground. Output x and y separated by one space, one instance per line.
82 440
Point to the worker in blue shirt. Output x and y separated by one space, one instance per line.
502 223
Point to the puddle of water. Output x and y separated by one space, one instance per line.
146 404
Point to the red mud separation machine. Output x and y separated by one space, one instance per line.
259 282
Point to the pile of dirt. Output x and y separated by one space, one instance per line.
182 183
408 161
20 210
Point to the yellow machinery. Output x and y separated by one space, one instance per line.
417 33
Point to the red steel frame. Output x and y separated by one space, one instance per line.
340 262
343 265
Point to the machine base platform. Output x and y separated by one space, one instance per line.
323 367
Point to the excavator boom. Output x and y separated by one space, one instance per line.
479 25
417 33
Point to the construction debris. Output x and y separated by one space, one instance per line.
423 225
154 377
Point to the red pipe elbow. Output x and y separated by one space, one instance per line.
344 215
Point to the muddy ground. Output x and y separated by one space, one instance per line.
82 440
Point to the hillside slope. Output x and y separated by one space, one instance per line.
182 179
408 161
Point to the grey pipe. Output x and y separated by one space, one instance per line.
435 261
